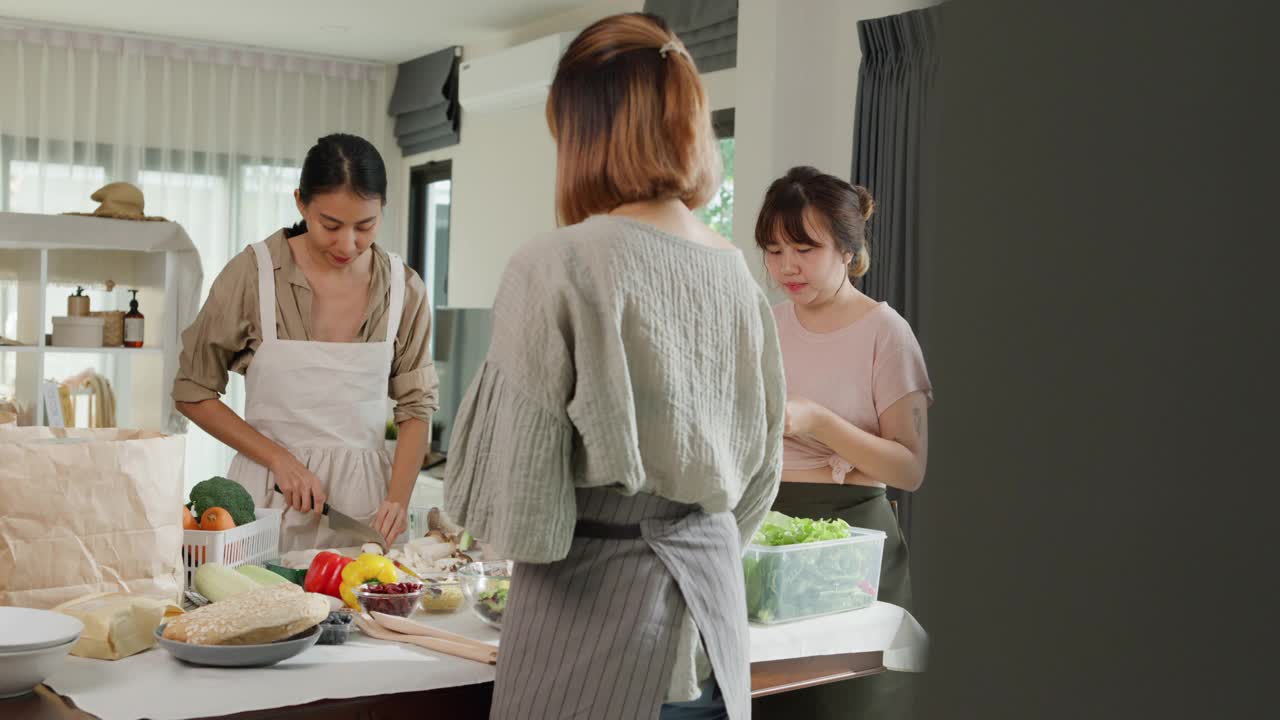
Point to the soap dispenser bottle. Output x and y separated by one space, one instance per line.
133 324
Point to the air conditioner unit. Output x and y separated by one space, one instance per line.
511 78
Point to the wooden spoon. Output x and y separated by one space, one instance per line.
468 652
406 626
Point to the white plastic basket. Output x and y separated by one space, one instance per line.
252 542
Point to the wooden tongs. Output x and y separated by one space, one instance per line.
397 629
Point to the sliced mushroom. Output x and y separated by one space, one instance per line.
429 549
437 520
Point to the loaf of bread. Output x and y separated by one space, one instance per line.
260 616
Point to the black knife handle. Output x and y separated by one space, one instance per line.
325 511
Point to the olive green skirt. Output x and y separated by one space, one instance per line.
883 696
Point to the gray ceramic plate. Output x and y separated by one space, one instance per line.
239 655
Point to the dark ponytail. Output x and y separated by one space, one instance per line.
341 161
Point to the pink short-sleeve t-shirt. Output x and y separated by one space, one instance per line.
857 372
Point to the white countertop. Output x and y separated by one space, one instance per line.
154 685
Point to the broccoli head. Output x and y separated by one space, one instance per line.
223 493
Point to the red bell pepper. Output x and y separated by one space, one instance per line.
325 574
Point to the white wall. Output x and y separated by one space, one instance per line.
722 88
503 196
797 86
503 172
794 89
570 21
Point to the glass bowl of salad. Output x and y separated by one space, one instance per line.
485 586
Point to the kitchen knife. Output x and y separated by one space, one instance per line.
342 522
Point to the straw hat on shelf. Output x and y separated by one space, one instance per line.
120 200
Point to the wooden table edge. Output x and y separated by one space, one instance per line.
778 676
767 678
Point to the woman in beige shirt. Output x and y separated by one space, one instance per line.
319 357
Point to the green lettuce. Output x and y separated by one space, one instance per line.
797 584
779 529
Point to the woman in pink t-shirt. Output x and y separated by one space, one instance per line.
857 405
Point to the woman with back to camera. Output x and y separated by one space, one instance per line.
858 397
623 437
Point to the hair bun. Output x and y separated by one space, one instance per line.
803 173
866 203
861 263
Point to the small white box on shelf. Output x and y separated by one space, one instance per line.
82 332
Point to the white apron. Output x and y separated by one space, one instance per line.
326 403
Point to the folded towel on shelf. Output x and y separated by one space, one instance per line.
102 399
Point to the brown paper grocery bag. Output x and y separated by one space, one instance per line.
87 511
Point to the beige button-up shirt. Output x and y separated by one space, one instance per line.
225 334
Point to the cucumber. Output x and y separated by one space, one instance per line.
219 582
260 575
297 577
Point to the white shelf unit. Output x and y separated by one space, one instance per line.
50 349
46 257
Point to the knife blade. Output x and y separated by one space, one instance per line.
343 522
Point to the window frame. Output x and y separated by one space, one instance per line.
421 177
722 122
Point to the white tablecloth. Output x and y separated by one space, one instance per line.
882 626
154 685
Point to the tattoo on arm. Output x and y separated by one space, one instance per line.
918 417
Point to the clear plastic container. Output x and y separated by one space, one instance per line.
418 521
336 628
794 582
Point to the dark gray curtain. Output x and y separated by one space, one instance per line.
708 28
895 137
425 102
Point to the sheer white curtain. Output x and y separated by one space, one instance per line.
214 137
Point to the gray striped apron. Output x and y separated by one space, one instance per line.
594 636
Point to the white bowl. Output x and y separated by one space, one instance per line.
24 629
22 671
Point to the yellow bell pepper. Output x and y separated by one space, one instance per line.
366 568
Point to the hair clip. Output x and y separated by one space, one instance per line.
671 45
